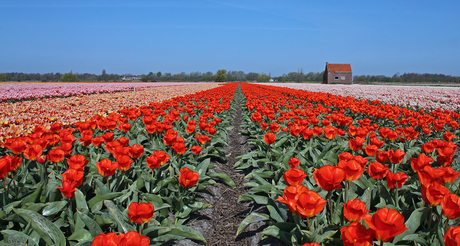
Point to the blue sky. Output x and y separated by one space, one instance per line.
263 36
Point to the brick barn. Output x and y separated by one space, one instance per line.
337 74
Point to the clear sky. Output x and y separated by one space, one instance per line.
262 36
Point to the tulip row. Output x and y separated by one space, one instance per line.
422 97
33 91
334 170
102 179
21 117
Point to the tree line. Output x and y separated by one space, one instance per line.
221 75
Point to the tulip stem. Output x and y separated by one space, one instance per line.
330 206
308 222
447 223
140 229
346 189
396 197
108 185
4 192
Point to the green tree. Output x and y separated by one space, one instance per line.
2 77
69 77
159 74
221 75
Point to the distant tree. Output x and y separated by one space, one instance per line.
252 76
159 74
221 76
69 77
282 78
2 77
263 78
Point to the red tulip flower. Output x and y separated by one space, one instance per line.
203 139
18 146
290 196
356 143
32 152
377 171
356 234
196 149
56 155
397 180
352 169
371 150
136 151
452 236
269 138
77 162
106 167
451 206
294 176
396 156
354 210
433 193
68 188
188 178
140 212
109 239
309 203
124 162
386 224
133 238
294 162
329 177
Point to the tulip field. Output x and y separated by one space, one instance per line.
122 166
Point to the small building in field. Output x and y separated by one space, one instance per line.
337 74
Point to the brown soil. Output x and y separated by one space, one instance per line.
219 223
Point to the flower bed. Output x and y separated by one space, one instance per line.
328 169
334 170
421 97
130 178
20 118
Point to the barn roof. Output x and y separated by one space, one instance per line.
338 67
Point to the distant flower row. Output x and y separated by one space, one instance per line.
20 91
404 96
20 118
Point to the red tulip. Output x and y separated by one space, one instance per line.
72 175
354 210
356 234
386 224
4 167
140 212
106 168
274 127
309 203
97 141
289 196
56 155
294 176
269 138
196 149
452 236
396 156
294 162
377 171
397 180
433 193
136 151
188 178
356 143
77 162
352 169
329 177
202 139
382 156
68 188
109 239
371 150
451 206
133 238
157 159
32 152
124 162
18 146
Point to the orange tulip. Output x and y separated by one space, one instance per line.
309 203
133 238
106 167
329 177
377 171
294 176
32 152
451 206
356 234
397 180
452 236
354 210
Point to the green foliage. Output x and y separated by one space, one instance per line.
2 77
69 77
263 78
221 76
